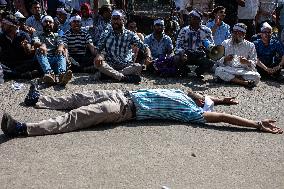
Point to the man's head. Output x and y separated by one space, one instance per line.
219 12
117 20
159 25
195 19
266 31
21 18
75 23
61 14
35 8
239 33
131 25
47 23
85 10
10 24
105 12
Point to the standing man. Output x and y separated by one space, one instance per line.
247 15
220 30
114 57
231 10
50 54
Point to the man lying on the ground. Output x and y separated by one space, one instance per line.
113 106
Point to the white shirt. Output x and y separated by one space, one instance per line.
249 11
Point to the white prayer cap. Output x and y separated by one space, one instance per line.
159 21
264 26
240 27
61 10
19 15
77 18
195 13
117 13
47 18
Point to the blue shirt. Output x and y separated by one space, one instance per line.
222 32
168 104
159 48
267 54
117 47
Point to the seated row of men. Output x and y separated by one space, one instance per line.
118 52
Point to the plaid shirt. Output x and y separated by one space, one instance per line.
189 39
167 104
118 47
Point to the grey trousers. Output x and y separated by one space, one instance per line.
86 110
132 69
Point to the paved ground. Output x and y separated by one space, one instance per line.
147 154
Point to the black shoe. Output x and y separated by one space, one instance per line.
11 127
251 84
32 96
132 79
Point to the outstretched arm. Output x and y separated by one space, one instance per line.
266 125
224 100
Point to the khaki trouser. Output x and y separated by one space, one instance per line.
86 110
132 69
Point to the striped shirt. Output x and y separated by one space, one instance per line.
168 104
189 39
77 42
118 47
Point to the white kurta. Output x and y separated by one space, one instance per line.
235 68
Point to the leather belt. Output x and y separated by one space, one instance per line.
130 103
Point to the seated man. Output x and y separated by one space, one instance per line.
238 64
270 54
50 54
116 44
80 45
191 42
13 42
159 43
114 106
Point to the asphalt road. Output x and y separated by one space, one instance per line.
147 154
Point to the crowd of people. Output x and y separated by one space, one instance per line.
106 43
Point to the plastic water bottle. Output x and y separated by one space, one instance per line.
1 75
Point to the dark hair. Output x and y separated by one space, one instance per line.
215 10
34 3
104 8
129 22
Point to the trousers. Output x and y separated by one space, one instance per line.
132 69
86 110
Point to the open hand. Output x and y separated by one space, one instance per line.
230 101
269 125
